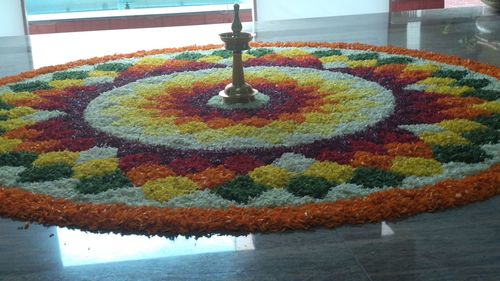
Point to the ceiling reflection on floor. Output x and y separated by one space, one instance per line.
83 248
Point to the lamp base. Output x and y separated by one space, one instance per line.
233 94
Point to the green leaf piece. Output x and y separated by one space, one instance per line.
17 159
488 95
455 74
492 121
459 153
188 56
363 56
70 75
260 52
375 178
113 66
327 53
240 189
482 136
309 186
474 83
46 173
394 60
222 53
98 184
30 86
5 106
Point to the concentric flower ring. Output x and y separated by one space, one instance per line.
337 128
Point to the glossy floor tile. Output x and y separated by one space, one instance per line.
457 244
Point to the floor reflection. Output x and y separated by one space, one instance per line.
457 244
385 230
84 248
488 31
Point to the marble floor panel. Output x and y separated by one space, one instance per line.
457 244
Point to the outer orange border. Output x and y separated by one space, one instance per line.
387 205
476 66
392 204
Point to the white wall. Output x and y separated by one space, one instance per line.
11 18
373 29
295 9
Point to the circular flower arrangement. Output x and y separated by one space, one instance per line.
339 133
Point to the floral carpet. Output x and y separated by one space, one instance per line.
338 134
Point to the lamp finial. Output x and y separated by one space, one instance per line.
236 26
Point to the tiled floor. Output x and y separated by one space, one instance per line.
457 244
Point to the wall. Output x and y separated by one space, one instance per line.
373 29
408 5
11 18
144 21
35 7
295 9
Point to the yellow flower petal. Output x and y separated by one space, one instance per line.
443 138
330 171
493 106
416 166
95 168
460 126
7 145
271 176
61 84
58 157
167 188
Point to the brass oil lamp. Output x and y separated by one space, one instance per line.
238 91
